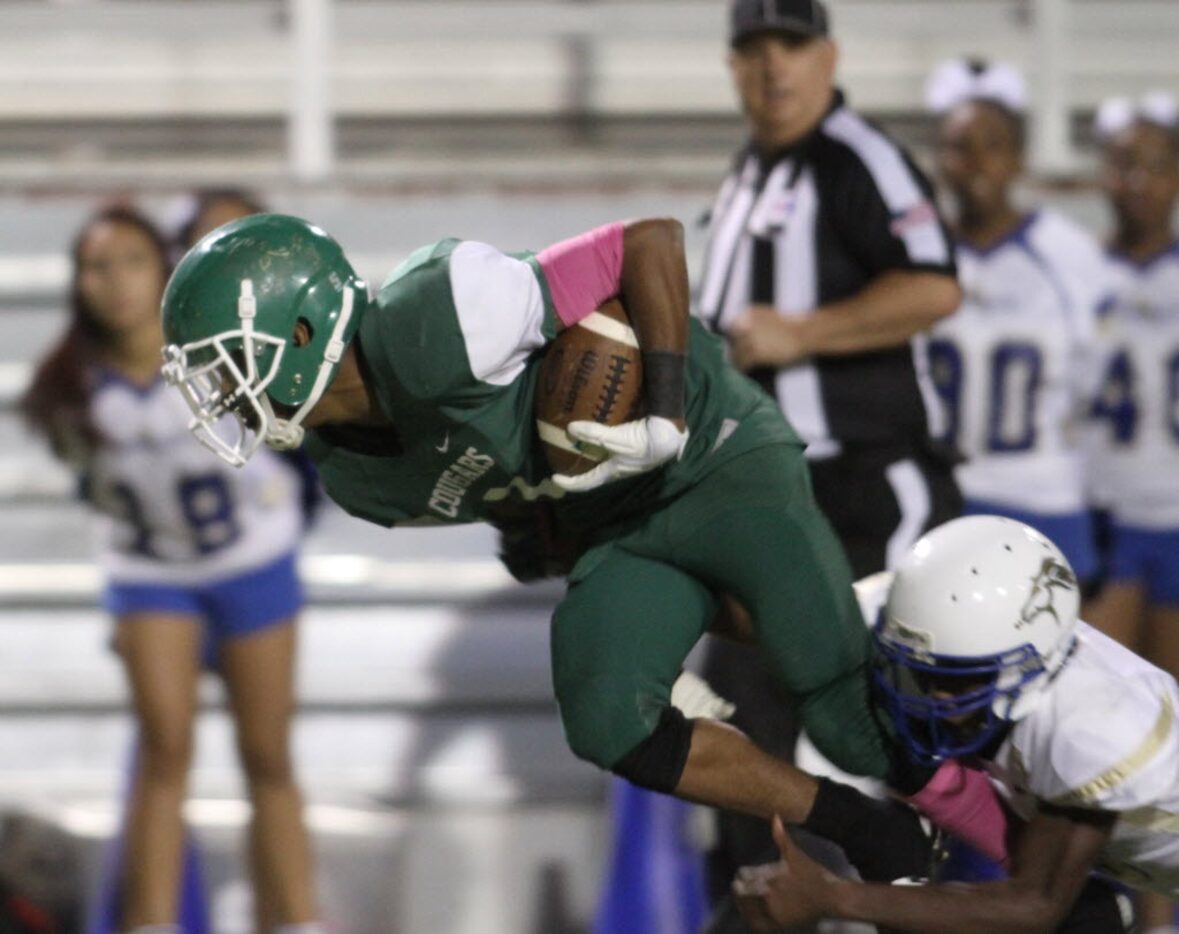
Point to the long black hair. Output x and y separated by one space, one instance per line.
56 404
203 200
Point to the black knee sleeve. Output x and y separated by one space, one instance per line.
658 761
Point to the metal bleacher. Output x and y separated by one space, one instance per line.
148 91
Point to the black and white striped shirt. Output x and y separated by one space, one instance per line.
814 224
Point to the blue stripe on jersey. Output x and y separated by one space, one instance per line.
1017 237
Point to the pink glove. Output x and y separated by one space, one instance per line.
962 801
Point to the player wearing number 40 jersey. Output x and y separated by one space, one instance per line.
1136 414
196 557
1014 364
1136 464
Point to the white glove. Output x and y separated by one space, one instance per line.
695 699
633 448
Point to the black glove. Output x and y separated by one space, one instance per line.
532 544
885 840
522 552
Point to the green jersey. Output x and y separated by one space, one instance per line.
452 348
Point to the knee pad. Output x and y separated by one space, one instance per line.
658 761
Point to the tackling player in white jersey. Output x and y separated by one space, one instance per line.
981 659
1011 364
196 556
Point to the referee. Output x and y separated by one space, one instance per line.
826 262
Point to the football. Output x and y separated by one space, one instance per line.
593 371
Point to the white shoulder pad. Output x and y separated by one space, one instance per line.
872 593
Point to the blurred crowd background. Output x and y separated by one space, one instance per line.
441 797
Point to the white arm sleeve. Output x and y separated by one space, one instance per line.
500 310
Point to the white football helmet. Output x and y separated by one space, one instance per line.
980 618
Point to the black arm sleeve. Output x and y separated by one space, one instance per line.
884 840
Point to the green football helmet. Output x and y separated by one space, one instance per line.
230 312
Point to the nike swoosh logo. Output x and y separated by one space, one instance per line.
444 446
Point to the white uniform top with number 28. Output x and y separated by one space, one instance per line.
171 513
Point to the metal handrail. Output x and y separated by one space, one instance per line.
530 58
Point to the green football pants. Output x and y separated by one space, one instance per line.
638 603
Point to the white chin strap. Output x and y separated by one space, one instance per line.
284 434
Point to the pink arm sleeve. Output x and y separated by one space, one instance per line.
583 271
962 801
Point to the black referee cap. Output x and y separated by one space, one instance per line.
749 18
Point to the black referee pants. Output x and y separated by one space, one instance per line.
881 499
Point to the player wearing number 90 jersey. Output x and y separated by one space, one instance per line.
1011 364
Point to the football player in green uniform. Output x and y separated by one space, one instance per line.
417 407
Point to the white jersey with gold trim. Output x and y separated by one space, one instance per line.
1011 364
1105 736
1135 418
170 512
